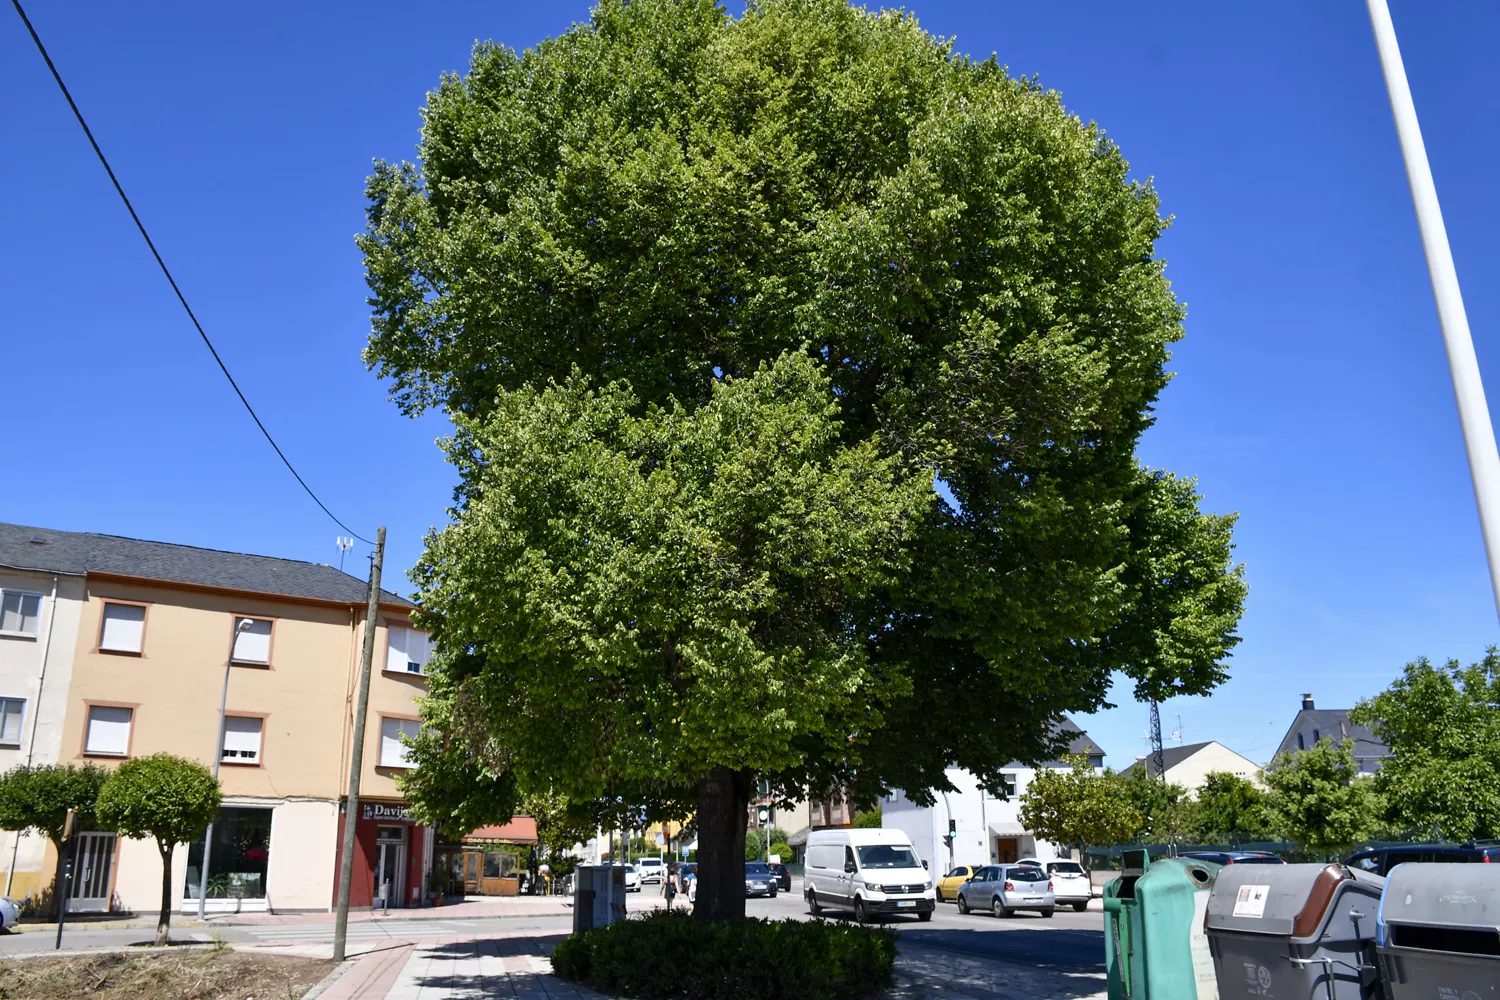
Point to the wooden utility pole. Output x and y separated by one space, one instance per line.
357 751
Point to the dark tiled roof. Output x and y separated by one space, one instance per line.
1170 757
1079 742
80 553
1313 724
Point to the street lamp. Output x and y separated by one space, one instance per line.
240 627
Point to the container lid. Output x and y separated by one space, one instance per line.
1442 895
1289 901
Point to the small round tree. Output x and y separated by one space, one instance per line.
164 797
38 798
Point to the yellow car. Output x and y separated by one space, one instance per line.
947 887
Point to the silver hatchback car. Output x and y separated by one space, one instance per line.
1004 889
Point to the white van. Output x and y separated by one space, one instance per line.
874 873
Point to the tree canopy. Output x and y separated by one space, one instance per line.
1229 809
1078 806
1442 779
40 796
1164 809
1317 798
167 798
616 238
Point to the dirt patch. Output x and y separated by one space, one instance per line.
205 974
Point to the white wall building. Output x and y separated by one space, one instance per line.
39 612
988 828
1190 765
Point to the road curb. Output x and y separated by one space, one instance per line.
334 974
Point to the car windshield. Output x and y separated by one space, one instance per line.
1066 868
887 856
756 868
1258 861
630 868
1026 873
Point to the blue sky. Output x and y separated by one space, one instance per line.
1311 395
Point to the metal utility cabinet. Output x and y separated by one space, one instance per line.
1154 944
594 904
1439 932
1294 931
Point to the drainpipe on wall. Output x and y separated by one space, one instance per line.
36 716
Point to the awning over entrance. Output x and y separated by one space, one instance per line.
520 830
1007 830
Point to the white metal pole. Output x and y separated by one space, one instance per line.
1463 366
240 625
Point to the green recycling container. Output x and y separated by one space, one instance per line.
1155 947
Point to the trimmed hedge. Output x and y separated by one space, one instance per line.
671 955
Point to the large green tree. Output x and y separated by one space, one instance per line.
668 198
39 798
1166 811
1229 809
1443 776
1078 806
1317 798
166 798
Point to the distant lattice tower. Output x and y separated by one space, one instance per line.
1158 758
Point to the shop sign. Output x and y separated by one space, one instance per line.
383 813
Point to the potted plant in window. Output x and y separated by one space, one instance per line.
437 884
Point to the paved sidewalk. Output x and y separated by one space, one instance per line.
930 973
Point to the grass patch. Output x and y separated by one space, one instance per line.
671 955
203 974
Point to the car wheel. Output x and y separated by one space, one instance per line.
771 894
999 910
1048 911
963 904
924 916
861 912
812 903
1080 907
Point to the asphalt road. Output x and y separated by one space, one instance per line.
1068 940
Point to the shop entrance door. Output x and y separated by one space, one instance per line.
96 860
390 866
472 860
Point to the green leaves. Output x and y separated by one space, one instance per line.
170 799
643 596
1318 799
38 797
1442 779
614 249
1078 806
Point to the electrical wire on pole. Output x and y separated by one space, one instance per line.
151 245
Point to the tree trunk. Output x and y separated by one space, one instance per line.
723 798
164 921
57 873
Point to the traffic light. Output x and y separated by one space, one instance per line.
952 833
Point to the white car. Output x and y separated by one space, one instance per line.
10 913
1071 885
632 879
651 869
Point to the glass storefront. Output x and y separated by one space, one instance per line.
238 858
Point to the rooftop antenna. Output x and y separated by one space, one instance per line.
1177 733
344 545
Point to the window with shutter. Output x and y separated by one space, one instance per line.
20 612
108 730
124 625
241 740
392 750
252 642
12 711
407 650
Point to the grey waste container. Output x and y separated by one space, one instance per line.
1294 931
1439 932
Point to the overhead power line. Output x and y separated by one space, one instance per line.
171 280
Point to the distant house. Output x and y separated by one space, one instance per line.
1190 765
988 829
1313 724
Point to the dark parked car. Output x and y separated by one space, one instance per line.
759 879
1380 860
783 876
1235 857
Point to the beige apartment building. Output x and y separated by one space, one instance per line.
147 647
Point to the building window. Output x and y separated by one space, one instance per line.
392 750
406 651
252 642
1008 786
12 711
19 612
238 857
124 624
241 740
108 730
